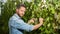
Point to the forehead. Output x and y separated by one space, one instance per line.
22 7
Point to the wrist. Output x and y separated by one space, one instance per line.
40 23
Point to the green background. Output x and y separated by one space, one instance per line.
35 9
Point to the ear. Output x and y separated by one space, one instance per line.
17 10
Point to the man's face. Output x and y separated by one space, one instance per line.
21 11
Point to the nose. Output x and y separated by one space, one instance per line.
23 13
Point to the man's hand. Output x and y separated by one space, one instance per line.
41 21
38 25
31 21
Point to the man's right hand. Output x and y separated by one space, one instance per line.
31 21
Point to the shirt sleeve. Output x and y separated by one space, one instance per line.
20 24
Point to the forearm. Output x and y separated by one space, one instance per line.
36 26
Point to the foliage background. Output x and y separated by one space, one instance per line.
50 11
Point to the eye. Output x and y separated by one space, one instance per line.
21 10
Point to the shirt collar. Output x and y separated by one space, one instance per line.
16 15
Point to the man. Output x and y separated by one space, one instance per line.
16 24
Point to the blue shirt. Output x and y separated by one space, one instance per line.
16 23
